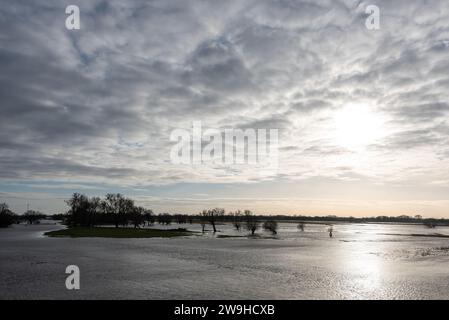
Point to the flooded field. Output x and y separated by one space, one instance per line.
360 261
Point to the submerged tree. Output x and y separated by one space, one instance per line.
251 222
429 225
236 220
149 216
180 218
330 230
271 226
203 223
212 216
32 217
301 226
164 218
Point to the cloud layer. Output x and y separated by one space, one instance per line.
97 105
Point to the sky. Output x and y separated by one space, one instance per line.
362 115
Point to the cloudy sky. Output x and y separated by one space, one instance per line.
362 114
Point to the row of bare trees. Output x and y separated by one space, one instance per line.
239 219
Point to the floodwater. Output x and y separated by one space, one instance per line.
360 261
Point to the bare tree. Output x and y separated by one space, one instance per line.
180 218
112 207
330 230
127 210
251 222
3 207
236 220
32 216
118 207
77 212
137 216
164 218
84 211
203 222
93 210
7 218
212 216
149 216
271 226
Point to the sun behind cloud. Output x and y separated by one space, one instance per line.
357 126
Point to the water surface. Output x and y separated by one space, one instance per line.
361 261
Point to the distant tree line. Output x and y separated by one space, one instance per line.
7 217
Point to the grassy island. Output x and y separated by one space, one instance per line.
111 232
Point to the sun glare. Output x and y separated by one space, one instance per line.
357 126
